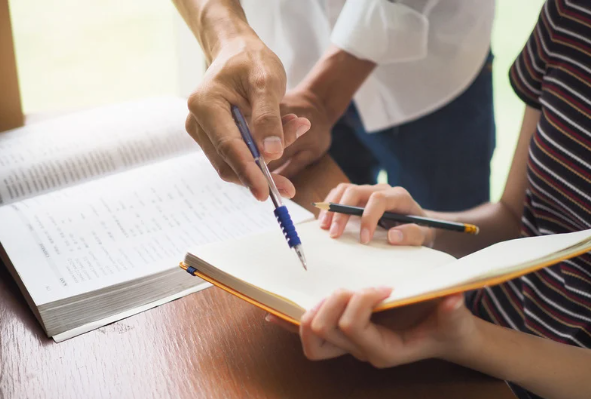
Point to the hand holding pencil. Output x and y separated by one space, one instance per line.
383 203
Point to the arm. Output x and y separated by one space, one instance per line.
215 23
497 221
243 72
322 97
343 323
335 79
366 34
544 367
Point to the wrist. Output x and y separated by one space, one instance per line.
334 80
467 345
326 100
221 26
239 39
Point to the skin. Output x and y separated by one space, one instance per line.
244 72
343 322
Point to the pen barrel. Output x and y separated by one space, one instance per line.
245 132
289 231
395 217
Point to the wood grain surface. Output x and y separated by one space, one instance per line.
207 345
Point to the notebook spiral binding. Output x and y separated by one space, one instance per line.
287 226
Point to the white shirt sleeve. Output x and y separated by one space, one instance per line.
384 31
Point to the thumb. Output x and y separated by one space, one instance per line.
409 234
267 126
451 310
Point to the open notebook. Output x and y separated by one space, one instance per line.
97 207
261 269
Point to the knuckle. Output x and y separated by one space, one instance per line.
400 191
189 124
378 362
195 102
226 147
268 78
377 196
351 193
312 354
342 186
342 294
266 118
191 127
261 80
320 329
225 172
347 326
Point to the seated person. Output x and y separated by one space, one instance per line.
534 331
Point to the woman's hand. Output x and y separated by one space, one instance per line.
343 323
377 200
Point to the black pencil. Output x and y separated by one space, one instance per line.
395 217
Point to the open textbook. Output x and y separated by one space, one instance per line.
97 208
261 271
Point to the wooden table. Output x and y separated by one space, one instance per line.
207 345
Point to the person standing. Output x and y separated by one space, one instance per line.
404 86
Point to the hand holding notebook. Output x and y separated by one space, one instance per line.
260 269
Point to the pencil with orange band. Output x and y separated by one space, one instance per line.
395 217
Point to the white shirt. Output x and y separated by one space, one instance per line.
427 51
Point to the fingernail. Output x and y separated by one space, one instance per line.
364 235
301 130
285 193
395 236
383 289
334 230
272 145
268 317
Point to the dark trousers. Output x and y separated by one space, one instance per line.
442 159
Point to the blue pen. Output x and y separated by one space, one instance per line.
281 212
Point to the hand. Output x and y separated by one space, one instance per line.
377 200
244 72
343 324
309 148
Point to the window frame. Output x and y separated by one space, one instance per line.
11 112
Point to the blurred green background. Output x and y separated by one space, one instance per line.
74 54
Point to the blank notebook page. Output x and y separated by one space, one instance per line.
267 262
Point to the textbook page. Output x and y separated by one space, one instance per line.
128 313
127 225
79 147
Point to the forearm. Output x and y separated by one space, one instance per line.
496 222
214 22
544 367
334 80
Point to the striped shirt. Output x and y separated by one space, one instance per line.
553 74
